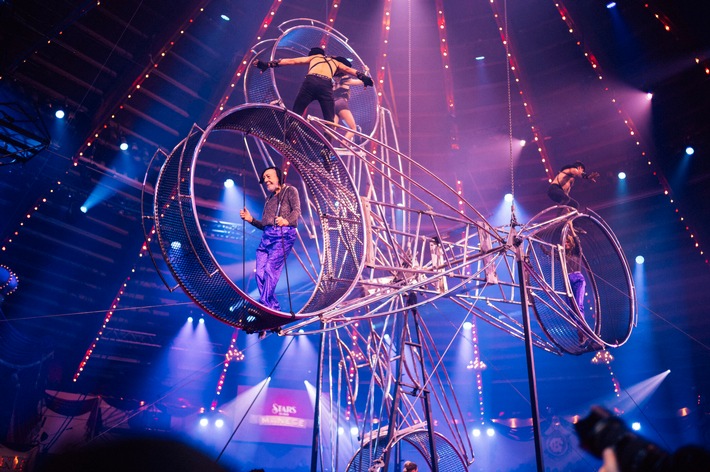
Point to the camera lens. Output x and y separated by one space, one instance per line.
601 429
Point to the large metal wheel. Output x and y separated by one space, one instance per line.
330 191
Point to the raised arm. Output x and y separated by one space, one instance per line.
362 77
590 176
288 61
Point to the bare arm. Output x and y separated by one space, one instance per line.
350 70
292 61
363 78
289 61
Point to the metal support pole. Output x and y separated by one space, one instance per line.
315 446
394 408
425 395
532 381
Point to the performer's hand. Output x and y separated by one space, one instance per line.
367 81
265 65
246 216
591 176
260 64
281 221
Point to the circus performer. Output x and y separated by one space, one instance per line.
341 91
563 182
318 84
278 222
410 466
573 258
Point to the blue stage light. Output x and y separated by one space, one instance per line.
229 183
59 114
622 175
689 150
640 260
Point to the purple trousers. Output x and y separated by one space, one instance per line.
275 246
578 284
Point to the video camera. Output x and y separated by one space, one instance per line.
601 429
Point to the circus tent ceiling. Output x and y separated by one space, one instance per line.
144 73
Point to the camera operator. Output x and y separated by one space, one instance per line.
607 437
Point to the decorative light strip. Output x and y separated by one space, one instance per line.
233 354
605 357
478 366
109 314
382 57
459 192
633 131
333 13
663 19
448 79
28 215
246 60
538 136
142 77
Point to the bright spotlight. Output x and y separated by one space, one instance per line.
341 430
202 321
622 175
83 209
175 245
59 114
508 197
649 96
189 319
301 330
353 430
204 422
229 183
467 325
476 432
636 426
123 146
480 58
689 151
224 17
640 260
611 5
219 423
523 143
490 432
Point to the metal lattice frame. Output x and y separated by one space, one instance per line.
388 244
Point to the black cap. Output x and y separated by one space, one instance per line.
344 61
315 51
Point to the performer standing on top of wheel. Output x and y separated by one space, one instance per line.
341 92
318 84
562 184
